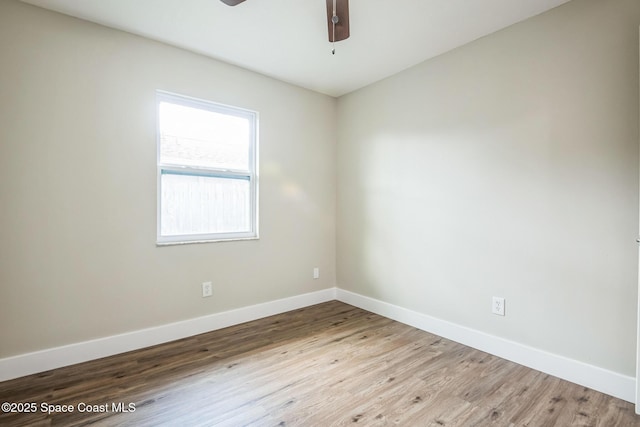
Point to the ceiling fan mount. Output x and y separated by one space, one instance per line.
337 18
232 2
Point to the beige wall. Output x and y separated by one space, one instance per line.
508 167
78 258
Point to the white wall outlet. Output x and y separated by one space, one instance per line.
497 307
207 289
316 273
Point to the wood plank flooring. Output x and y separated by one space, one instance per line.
326 365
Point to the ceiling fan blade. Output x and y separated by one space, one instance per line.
342 27
232 2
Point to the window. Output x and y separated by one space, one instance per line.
207 184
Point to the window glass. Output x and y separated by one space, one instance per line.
207 155
195 137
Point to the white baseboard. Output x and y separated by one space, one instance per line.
602 380
40 361
605 381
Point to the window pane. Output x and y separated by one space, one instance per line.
203 204
196 137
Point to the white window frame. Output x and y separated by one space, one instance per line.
251 175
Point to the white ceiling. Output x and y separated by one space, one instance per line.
288 40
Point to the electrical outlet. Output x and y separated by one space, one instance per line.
316 273
497 306
207 289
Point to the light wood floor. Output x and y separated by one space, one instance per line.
326 365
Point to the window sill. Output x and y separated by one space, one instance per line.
192 242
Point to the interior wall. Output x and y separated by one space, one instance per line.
78 258
507 167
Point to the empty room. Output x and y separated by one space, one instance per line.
319 212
